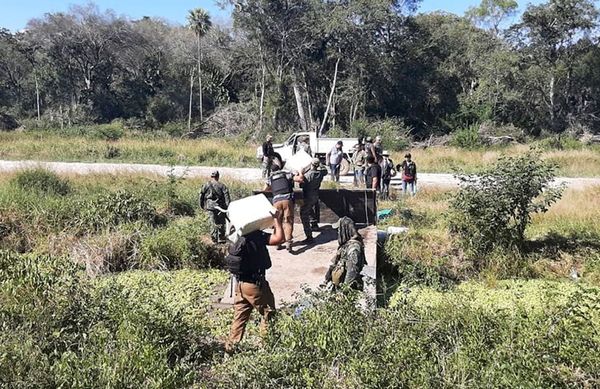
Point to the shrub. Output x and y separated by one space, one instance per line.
114 208
462 338
109 132
42 181
395 134
466 137
112 152
179 245
7 122
493 208
161 109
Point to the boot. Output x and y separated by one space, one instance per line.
288 246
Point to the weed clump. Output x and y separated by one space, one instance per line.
42 181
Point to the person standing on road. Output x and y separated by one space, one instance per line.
369 146
409 175
281 183
252 290
334 159
212 195
268 155
359 160
377 149
372 174
349 259
310 191
387 172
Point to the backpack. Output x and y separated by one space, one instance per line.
247 257
388 170
410 171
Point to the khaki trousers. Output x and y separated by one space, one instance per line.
286 217
247 297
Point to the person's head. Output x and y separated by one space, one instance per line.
370 159
407 156
316 162
275 167
215 175
339 144
385 155
360 146
346 230
369 139
378 139
269 138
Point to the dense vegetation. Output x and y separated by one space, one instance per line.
125 300
309 64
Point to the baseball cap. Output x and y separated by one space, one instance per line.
369 139
214 173
316 162
339 142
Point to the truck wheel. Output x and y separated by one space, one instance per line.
344 167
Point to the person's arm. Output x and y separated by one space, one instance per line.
226 196
277 236
375 183
353 267
327 157
202 197
415 172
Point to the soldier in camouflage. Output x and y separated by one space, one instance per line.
214 195
350 257
310 191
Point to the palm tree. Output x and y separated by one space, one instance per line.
199 22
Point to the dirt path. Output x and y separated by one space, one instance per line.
242 174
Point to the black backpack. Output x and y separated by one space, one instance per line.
247 256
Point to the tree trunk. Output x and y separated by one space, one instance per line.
37 96
262 99
330 96
311 121
191 98
200 78
551 98
299 104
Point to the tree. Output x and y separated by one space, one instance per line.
199 21
492 13
547 37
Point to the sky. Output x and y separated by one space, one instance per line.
14 14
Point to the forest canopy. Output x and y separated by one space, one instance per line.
311 65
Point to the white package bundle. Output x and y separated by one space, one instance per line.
299 162
250 214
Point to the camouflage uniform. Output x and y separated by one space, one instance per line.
351 257
215 194
310 190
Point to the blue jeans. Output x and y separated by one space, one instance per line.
335 171
359 176
413 187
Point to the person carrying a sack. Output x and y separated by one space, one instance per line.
247 261
409 175
349 259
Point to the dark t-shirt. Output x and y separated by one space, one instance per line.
372 172
256 253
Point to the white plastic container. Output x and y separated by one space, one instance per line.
250 214
299 162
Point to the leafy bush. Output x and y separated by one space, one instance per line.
493 208
109 132
162 109
466 137
560 142
179 245
446 341
59 328
112 152
42 181
114 208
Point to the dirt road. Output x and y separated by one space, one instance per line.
242 174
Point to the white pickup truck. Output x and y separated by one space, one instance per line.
319 148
